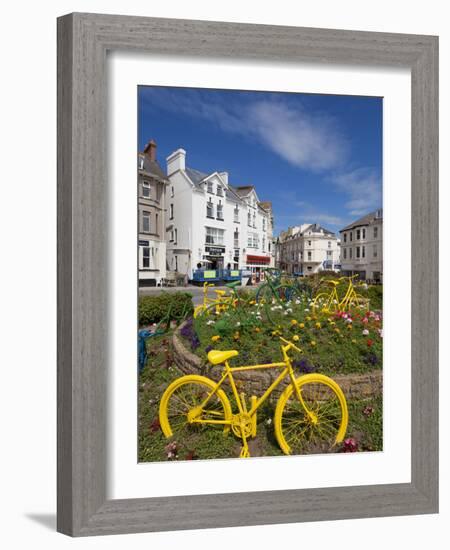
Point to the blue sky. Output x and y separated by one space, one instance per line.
318 158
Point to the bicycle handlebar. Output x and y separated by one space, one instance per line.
290 344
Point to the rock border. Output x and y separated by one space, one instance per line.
361 386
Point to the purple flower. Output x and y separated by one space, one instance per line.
371 359
303 365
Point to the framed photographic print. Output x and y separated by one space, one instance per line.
242 339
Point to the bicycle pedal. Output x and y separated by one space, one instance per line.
245 453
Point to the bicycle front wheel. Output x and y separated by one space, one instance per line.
192 402
264 295
316 422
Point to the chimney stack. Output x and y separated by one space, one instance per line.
150 149
176 161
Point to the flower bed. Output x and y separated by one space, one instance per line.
331 342
355 386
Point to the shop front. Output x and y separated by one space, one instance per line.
257 264
214 256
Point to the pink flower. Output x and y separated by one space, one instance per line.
171 449
350 445
365 320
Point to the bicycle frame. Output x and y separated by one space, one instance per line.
228 374
349 297
217 301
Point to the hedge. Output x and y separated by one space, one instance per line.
154 308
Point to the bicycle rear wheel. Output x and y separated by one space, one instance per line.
323 302
183 406
287 293
317 424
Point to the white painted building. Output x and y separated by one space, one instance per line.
212 224
362 247
307 249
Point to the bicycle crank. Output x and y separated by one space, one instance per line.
242 425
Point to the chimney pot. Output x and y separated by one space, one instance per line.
150 149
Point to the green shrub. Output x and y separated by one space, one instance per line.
154 308
375 293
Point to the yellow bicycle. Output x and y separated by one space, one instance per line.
218 304
330 302
311 414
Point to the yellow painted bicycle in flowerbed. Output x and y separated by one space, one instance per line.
311 413
329 301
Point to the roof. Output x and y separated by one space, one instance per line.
368 219
243 190
295 232
232 192
195 175
316 228
267 205
152 167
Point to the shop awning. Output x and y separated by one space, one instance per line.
258 259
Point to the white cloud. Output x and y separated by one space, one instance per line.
329 219
363 187
305 140
311 141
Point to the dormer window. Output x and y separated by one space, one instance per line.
210 187
219 191
249 219
236 214
141 163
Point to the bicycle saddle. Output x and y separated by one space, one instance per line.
215 356
335 283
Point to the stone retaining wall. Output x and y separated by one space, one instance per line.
256 382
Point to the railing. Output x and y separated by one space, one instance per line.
216 275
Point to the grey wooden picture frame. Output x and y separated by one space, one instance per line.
83 42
